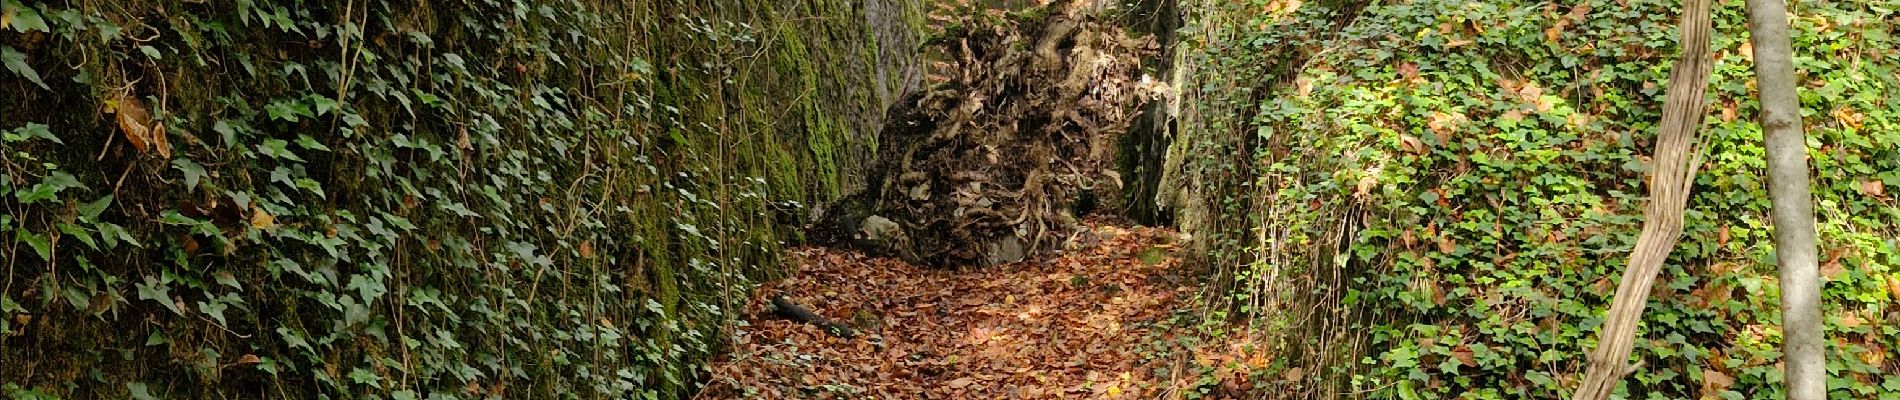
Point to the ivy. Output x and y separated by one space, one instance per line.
376 200
1476 170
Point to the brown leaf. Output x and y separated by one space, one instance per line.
1408 70
959 383
1832 269
587 249
1713 382
135 122
1464 356
1873 188
1412 144
1293 374
1893 286
249 359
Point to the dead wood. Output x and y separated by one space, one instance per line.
785 308
988 164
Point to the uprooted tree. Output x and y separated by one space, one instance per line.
1010 145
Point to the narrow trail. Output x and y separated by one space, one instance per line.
1085 324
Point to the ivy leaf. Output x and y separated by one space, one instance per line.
16 62
24 19
215 309
310 143
33 130
277 148
49 188
364 377
90 211
160 292
7 305
225 132
140 391
40 244
193 171
151 52
82 234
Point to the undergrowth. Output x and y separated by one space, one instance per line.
1441 194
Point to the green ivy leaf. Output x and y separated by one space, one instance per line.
158 291
32 130
215 309
193 171
40 244
25 19
277 148
16 62
48 188
364 377
90 211
140 391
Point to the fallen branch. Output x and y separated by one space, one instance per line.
784 307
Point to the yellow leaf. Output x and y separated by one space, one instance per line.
262 220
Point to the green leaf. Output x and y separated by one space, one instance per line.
90 211
33 130
7 305
364 377
48 188
227 279
225 132
151 52
193 171
40 244
16 62
140 391
215 309
25 19
160 292
277 148
307 142
77 297
82 234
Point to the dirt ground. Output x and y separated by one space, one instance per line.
1087 324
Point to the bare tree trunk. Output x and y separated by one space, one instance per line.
1676 159
1793 212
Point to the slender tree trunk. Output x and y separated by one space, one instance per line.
1676 159
1793 212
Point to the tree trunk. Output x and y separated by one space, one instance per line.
1676 159
1793 210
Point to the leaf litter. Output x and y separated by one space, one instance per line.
1071 326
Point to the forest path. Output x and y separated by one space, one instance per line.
1089 323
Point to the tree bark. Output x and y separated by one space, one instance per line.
1676 159
1793 205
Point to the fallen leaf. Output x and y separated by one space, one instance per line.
1873 188
1832 269
262 220
249 359
135 122
959 383
1464 356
